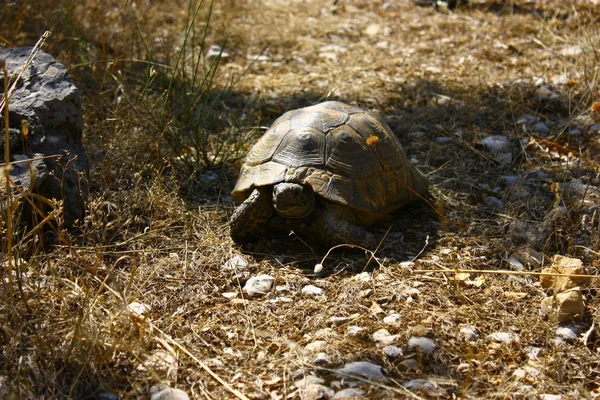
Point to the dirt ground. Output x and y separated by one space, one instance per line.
494 101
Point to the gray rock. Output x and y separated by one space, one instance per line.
259 285
163 392
569 333
354 330
469 333
384 338
505 337
541 128
424 344
316 392
495 143
307 381
236 263
321 359
392 351
443 140
425 385
361 369
534 353
107 396
493 202
349 394
48 101
312 290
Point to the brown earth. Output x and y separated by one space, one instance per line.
156 233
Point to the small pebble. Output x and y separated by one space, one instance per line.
321 359
384 338
101 396
534 353
236 263
312 290
163 392
423 384
541 128
138 310
409 365
443 140
316 392
354 330
363 277
307 381
569 333
495 143
426 345
505 337
514 264
317 346
392 351
349 394
493 202
550 396
259 285
469 333
391 319
216 51
362 369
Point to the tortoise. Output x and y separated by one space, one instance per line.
325 172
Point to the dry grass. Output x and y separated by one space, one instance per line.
156 233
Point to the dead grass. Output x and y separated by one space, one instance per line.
156 234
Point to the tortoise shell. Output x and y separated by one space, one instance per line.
345 154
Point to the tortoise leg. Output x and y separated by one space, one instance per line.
338 230
248 219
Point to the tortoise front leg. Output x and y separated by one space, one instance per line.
337 229
248 220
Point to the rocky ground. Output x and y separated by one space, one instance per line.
495 101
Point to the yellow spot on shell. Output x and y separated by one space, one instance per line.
372 140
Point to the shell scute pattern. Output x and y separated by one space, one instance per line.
325 146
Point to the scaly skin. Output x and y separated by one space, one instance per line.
337 228
249 218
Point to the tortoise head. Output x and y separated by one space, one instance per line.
293 200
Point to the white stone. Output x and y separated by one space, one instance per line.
426 345
259 285
321 359
316 346
236 263
160 392
312 290
349 394
392 351
469 333
137 309
391 319
363 277
495 143
361 369
568 333
316 392
354 330
505 337
384 338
